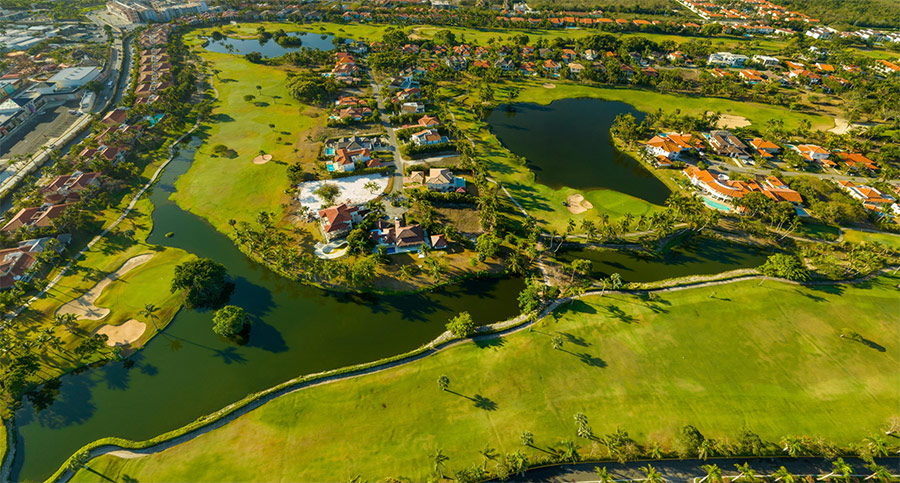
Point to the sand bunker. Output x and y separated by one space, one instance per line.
262 159
125 334
84 306
549 86
577 204
730 121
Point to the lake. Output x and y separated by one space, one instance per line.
567 144
698 256
188 371
269 48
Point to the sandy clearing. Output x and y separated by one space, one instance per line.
549 86
353 190
84 306
125 334
263 159
577 204
842 126
730 121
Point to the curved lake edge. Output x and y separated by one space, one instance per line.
610 142
443 342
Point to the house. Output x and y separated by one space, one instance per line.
568 55
442 179
505 65
412 108
766 61
41 216
765 149
345 160
355 114
726 144
886 67
116 116
724 189
409 93
438 242
812 152
337 221
347 101
552 67
398 238
67 187
528 68
727 59
590 54
661 145
751 76
857 161
354 143
16 262
575 69
424 121
872 198
428 137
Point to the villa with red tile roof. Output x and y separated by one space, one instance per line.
398 238
872 198
67 187
41 216
338 220
725 189
424 121
345 160
765 149
857 161
815 153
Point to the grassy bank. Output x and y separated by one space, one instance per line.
646 366
859 236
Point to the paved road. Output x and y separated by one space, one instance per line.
687 470
399 162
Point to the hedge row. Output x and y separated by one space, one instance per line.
360 172
410 150
439 197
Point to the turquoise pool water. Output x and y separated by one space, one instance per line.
715 204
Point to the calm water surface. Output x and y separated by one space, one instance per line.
567 144
188 371
268 48
699 256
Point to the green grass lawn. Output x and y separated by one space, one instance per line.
649 101
648 367
858 236
221 188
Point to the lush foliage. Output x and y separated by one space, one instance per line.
204 281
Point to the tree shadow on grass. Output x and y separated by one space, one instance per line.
488 343
616 312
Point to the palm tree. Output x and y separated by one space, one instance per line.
439 459
603 475
150 313
838 466
557 342
651 475
615 281
259 90
879 473
706 449
792 446
746 473
713 473
877 446
527 438
783 475
444 383
488 454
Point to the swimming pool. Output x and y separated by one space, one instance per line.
715 204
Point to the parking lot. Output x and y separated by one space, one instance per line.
37 130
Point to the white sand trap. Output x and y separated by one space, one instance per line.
730 121
577 204
84 306
125 334
549 86
263 159
353 190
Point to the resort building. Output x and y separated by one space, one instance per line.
41 216
724 189
16 263
67 188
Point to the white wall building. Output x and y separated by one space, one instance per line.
74 77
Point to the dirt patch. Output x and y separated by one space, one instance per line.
123 335
549 86
84 306
577 204
262 159
730 121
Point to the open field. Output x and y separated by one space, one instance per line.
859 236
647 366
223 188
648 101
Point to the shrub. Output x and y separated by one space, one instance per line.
230 321
462 325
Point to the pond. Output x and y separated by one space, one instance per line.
188 371
269 48
698 256
567 144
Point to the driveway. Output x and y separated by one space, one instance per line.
399 162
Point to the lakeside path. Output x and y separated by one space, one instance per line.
6 467
443 342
